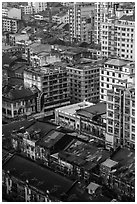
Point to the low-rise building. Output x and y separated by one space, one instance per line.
83 158
61 18
19 101
118 174
93 121
67 116
26 181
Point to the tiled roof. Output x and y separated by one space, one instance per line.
17 93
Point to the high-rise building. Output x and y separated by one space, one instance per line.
120 114
52 81
103 10
84 81
118 36
114 72
80 26
38 6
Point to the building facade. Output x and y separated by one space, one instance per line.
10 24
115 71
118 37
84 81
18 102
52 81
78 15
120 130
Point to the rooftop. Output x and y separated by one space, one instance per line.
8 128
117 62
71 109
37 175
126 170
42 127
109 163
83 154
128 18
57 67
38 47
15 93
51 138
98 109
92 186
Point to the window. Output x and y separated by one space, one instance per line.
110 129
110 98
110 114
102 78
133 112
110 106
102 72
102 90
107 73
107 85
113 80
102 84
102 97
133 136
107 79
133 120
133 103
110 122
113 74
119 75
133 128
127 110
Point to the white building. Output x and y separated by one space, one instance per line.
66 116
14 13
118 36
115 72
120 126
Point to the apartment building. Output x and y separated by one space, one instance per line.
78 15
27 9
10 24
39 55
61 18
52 81
38 6
14 13
121 116
118 36
103 10
84 80
114 72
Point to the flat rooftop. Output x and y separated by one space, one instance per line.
39 177
71 109
38 47
117 62
98 109
49 68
